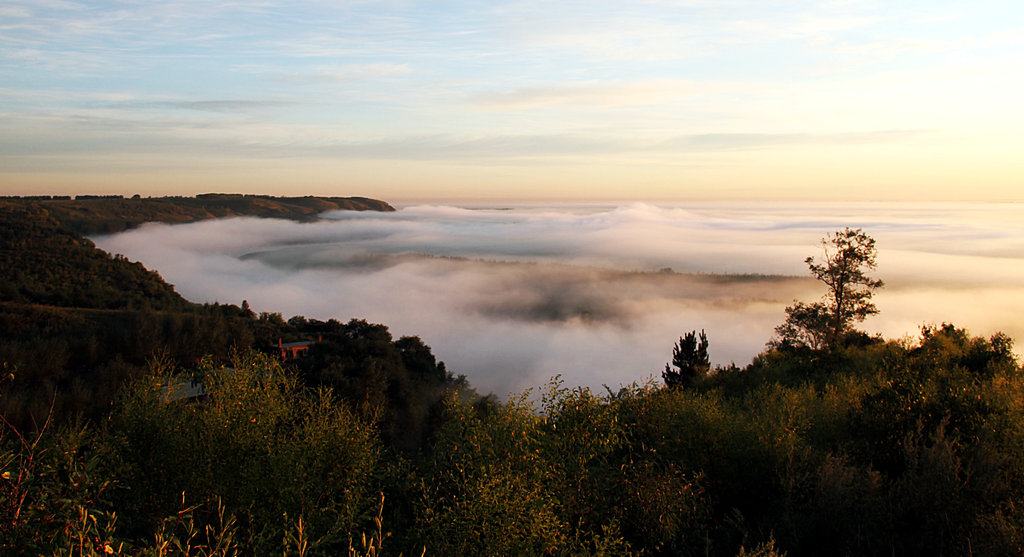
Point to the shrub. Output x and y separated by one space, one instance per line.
271 452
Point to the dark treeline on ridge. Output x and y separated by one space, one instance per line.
88 214
325 438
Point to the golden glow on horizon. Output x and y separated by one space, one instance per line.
938 172
812 100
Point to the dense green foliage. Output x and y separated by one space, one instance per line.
888 448
69 361
269 450
263 465
397 383
43 262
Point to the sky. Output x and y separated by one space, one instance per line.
400 100
598 294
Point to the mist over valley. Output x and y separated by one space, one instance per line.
511 296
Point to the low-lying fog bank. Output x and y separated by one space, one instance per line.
513 296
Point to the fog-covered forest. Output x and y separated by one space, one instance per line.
830 441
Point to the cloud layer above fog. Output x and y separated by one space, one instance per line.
511 296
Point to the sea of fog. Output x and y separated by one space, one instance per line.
513 295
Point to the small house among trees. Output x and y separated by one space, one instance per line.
294 350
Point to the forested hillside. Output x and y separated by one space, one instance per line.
108 214
77 324
830 442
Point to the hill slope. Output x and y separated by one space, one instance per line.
42 262
106 215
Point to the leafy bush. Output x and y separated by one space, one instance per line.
272 453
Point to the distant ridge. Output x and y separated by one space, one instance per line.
93 214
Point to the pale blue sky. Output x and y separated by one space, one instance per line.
532 99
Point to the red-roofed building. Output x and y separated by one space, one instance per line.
294 350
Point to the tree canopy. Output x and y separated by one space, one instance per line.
690 359
848 256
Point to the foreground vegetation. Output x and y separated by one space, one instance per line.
829 443
906 448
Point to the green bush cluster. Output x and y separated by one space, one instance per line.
889 448
270 451
72 361
261 466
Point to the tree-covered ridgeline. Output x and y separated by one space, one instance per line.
368 445
93 214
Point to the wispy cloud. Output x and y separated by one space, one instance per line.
601 94
225 105
801 26
496 81
739 141
249 128
339 74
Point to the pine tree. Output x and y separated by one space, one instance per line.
690 359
